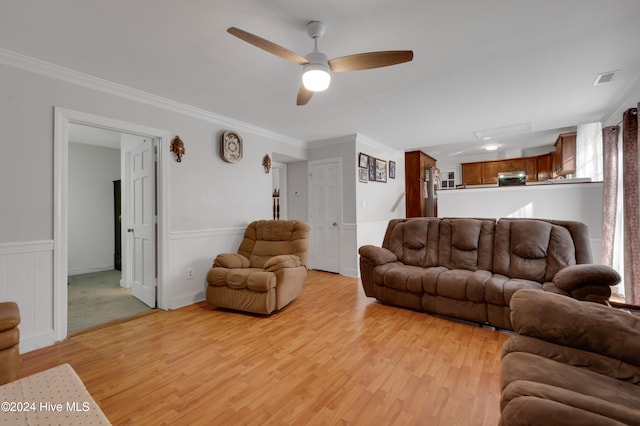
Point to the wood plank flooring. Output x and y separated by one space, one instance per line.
333 356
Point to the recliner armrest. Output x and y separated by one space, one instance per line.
572 277
282 261
377 255
231 260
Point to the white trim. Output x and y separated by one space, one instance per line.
37 66
62 119
25 247
31 343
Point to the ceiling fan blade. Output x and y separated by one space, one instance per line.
304 95
267 46
365 61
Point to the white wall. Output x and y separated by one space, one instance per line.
367 207
376 202
92 170
579 201
210 201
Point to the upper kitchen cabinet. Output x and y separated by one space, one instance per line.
486 172
564 157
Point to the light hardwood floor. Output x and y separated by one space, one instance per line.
333 356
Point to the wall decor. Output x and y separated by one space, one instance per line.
364 175
372 169
392 169
266 163
177 146
231 147
381 170
363 161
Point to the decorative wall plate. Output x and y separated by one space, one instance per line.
231 147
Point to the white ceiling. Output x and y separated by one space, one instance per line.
477 65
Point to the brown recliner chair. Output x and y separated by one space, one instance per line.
9 340
268 271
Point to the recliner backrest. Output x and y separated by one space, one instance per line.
466 243
264 239
414 241
536 249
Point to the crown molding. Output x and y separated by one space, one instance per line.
373 143
37 66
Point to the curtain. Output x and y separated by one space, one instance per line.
610 191
631 206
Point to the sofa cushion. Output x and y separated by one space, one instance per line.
463 285
499 289
405 278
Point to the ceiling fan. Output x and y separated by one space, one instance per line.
317 68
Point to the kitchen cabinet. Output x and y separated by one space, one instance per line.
415 162
543 163
564 158
537 168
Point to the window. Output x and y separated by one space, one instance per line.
448 179
589 151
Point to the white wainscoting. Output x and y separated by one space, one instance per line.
349 250
196 250
26 277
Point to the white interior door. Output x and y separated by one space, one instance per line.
143 221
325 205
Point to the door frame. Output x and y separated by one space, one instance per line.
62 119
339 204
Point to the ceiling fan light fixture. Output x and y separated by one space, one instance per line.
316 77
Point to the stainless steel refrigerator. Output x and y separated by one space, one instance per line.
431 177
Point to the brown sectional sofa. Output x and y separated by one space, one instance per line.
571 363
469 268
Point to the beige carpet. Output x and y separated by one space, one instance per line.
97 298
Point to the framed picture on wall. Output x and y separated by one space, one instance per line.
392 169
381 170
363 161
372 169
364 175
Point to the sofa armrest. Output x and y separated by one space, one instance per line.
582 325
572 277
377 255
231 260
282 261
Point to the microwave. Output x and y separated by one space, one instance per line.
512 178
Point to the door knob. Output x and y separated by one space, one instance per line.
130 230
335 223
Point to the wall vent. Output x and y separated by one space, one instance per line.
605 77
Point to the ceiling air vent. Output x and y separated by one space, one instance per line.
605 77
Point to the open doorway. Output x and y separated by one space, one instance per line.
148 280
99 276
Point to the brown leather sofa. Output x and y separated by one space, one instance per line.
469 268
9 341
268 271
571 363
